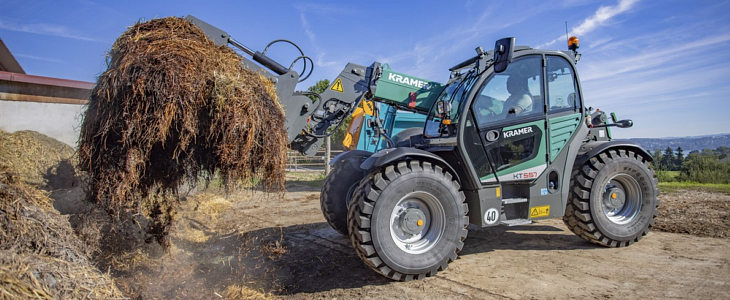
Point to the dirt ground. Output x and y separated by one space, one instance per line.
279 246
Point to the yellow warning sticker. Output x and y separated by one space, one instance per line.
337 86
540 211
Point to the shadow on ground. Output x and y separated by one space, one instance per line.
315 258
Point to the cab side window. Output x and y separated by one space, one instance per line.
512 94
562 90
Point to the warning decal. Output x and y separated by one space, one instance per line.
337 86
540 211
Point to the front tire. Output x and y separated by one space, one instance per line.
408 220
613 201
337 193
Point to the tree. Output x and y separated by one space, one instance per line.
680 158
667 162
705 169
319 87
657 158
723 152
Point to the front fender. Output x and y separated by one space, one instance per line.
592 149
386 156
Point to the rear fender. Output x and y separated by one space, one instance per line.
345 156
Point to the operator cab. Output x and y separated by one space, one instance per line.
510 129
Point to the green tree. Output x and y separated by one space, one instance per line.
680 158
705 169
709 152
722 152
657 156
667 161
319 87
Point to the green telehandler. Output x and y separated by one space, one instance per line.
506 141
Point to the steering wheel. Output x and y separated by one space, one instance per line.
482 105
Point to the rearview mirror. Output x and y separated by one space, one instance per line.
624 123
503 53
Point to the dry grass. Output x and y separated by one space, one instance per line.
244 293
212 208
173 107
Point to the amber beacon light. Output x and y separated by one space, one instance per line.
573 43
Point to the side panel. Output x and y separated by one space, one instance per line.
561 129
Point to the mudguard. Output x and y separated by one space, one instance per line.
386 156
346 155
594 148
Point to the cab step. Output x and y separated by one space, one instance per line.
516 222
514 200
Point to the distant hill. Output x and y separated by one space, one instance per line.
688 144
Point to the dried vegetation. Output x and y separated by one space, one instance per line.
172 108
40 255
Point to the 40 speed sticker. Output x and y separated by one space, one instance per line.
491 216
540 211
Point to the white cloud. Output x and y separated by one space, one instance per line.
429 58
668 55
319 59
46 29
320 62
599 18
33 57
307 28
659 76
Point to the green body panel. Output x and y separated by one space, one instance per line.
561 129
395 88
537 161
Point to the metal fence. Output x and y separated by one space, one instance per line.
317 163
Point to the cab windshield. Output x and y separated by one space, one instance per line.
444 115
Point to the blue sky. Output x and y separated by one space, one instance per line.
664 64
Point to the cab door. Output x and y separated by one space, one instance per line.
564 117
509 118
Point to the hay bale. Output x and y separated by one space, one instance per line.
40 256
173 107
38 159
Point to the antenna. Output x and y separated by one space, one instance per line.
566 30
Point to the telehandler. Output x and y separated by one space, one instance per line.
506 141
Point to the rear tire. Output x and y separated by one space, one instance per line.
337 192
408 220
613 201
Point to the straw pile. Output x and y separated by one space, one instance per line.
35 158
173 107
40 256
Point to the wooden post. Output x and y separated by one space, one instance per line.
327 156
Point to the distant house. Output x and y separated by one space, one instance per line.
51 106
